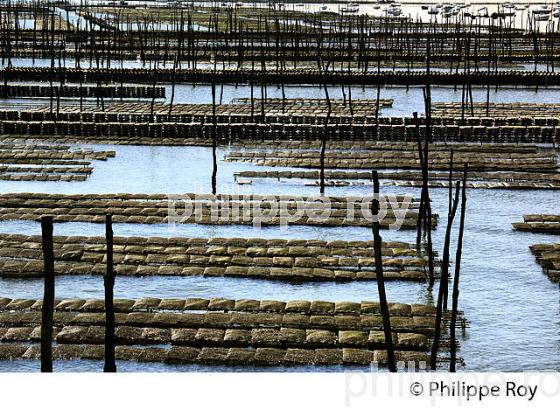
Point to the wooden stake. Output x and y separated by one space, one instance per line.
455 295
443 280
214 142
109 284
48 296
379 276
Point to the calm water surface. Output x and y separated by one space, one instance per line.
512 307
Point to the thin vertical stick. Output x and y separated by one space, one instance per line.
48 296
450 181
455 301
214 142
425 211
424 182
450 207
324 135
378 94
109 283
430 245
443 279
324 142
379 276
425 162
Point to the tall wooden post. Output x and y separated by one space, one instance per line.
422 208
324 143
48 296
324 136
425 211
450 181
214 138
450 209
443 280
109 283
379 277
455 293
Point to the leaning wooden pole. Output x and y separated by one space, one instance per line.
450 208
214 139
443 280
109 284
424 222
324 134
429 244
450 181
324 143
48 296
458 255
421 219
425 184
379 276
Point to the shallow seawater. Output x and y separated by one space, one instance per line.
406 100
512 307
31 366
